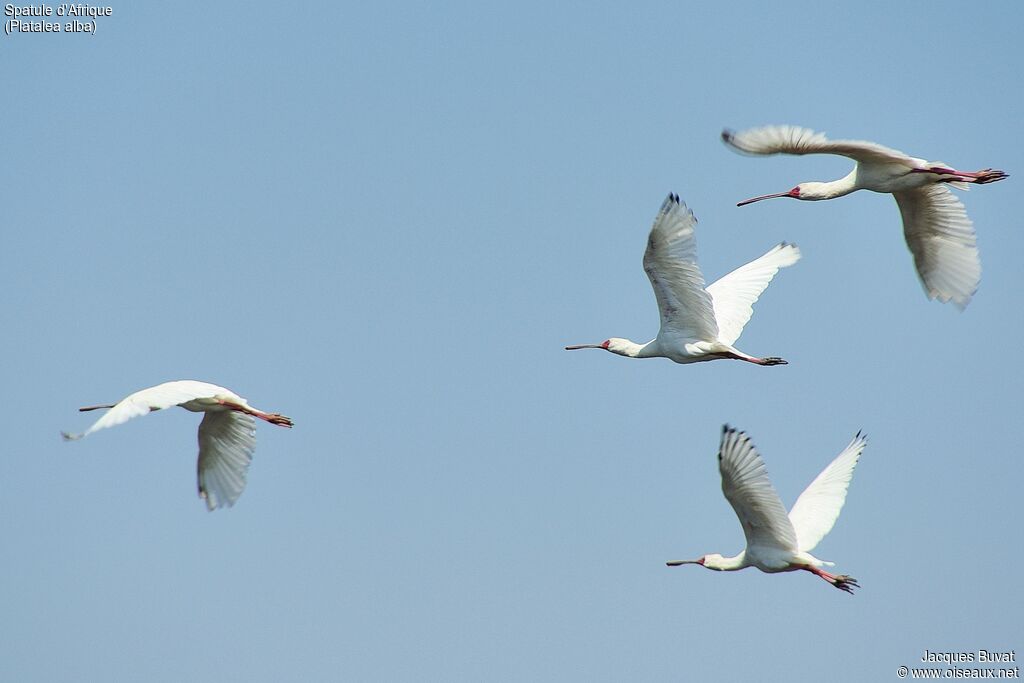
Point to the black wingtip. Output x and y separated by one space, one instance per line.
729 430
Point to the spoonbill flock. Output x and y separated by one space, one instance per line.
697 323
777 542
935 223
227 434
701 323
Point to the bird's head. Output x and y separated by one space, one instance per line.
713 561
615 345
805 191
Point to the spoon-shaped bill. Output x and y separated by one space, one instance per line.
586 346
766 196
676 563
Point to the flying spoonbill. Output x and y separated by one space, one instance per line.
777 542
227 434
935 223
697 323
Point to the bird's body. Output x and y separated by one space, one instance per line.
697 323
935 224
227 434
777 541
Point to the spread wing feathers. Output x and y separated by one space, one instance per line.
144 401
941 238
816 510
227 440
796 140
671 264
746 486
734 294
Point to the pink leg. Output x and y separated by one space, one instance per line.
840 581
982 177
272 418
757 361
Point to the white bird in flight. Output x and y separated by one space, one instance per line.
935 223
227 434
697 323
777 542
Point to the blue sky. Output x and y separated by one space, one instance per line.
386 221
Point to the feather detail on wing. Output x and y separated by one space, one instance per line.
941 238
746 486
227 440
671 264
797 140
734 294
816 510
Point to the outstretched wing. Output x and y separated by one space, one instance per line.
671 264
796 140
735 293
816 510
227 440
941 238
145 401
746 486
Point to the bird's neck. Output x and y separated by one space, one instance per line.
728 564
627 347
843 186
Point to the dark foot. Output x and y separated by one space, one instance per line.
989 176
279 420
845 583
774 361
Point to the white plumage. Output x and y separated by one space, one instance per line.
776 541
227 434
697 323
935 224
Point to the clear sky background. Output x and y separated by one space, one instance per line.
386 220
